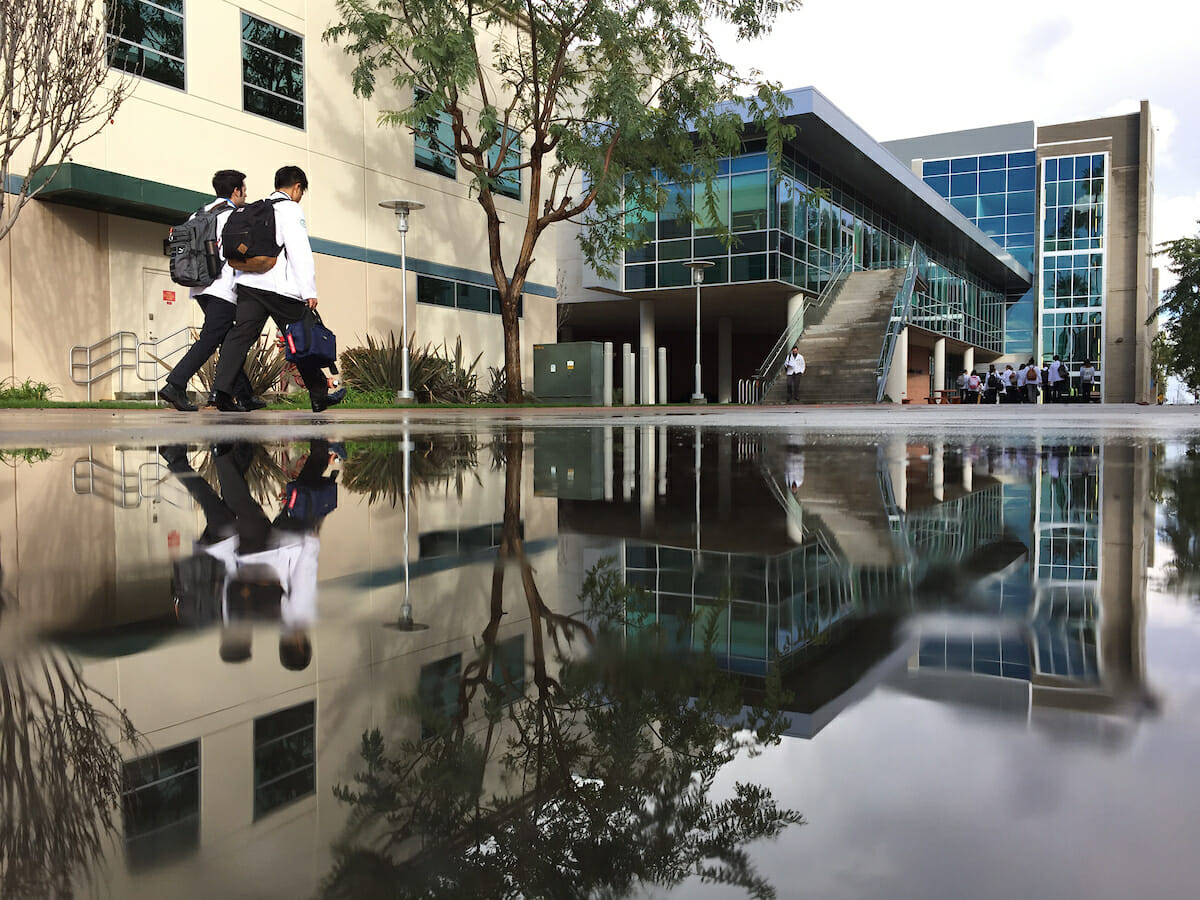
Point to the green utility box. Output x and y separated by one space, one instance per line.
568 463
569 373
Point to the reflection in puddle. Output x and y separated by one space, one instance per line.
507 661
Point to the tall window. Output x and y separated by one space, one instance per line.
508 182
272 71
285 757
434 142
160 803
146 38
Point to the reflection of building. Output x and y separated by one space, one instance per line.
1063 632
816 578
233 785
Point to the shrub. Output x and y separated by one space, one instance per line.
435 375
28 389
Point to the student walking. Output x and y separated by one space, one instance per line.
286 293
218 302
793 368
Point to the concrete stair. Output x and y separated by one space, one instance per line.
841 348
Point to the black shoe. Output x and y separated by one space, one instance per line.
320 404
253 402
225 403
175 456
177 397
212 399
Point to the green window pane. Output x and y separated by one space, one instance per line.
748 202
474 297
706 221
272 37
673 217
508 182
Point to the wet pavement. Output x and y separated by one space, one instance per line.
848 652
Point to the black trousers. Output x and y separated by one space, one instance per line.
253 307
793 386
218 320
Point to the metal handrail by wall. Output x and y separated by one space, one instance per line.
772 364
157 359
111 352
901 309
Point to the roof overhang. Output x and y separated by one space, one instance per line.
843 149
122 195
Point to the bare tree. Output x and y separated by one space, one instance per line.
57 90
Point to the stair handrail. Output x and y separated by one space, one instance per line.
901 310
772 364
156 359
82 365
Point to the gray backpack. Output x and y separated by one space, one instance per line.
192 248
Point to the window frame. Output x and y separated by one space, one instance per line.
246 85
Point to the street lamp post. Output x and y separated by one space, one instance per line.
405 622
402 208
698 266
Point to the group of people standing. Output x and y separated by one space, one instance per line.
1024 384
237 304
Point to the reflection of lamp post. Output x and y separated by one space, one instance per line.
402 208
405 622
698 266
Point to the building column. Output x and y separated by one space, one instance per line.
725 360
969 360
896 380
795 305
939 364
937 467
646 340
896 455
647 478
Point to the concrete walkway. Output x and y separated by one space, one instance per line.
57 427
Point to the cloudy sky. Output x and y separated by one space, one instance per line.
902 68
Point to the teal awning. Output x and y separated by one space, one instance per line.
121 195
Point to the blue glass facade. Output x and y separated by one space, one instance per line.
1073 257
997 192
790 223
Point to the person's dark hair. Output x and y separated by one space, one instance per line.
295 651
227 181
290 175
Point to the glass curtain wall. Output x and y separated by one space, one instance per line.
1072 256
790 224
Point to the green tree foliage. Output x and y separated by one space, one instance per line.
600 100
1181 307
1178 490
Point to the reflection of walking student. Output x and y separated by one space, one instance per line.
268 569
218 302
793 368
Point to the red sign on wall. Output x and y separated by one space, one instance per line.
168 297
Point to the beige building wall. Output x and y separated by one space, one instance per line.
70 277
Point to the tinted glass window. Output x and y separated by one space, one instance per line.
146 39
272 72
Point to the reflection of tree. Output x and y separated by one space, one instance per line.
1180 492
602 781
60 774
376 468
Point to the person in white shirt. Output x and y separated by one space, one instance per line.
218 303
285 292
1087 375
1055 379
793 368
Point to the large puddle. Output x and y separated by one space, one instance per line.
617 661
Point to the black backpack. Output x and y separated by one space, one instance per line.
248 237
192 247
993 381
198 583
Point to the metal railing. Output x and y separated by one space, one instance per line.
901 307
108 355
772 365
159 360
121 485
